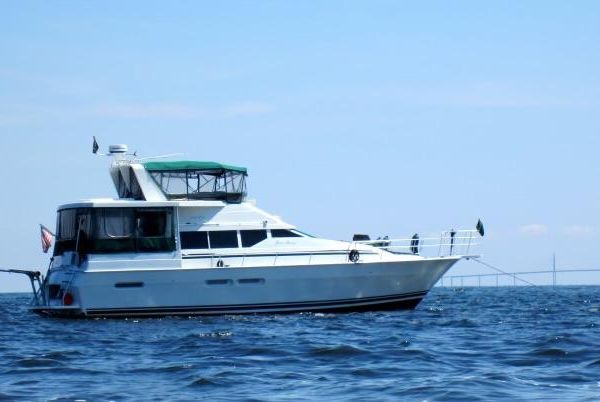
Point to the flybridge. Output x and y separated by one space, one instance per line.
175 166
176 180
197 180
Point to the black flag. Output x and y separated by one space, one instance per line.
95 146
480 228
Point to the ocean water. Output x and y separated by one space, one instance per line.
513 343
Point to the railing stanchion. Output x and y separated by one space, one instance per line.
469 243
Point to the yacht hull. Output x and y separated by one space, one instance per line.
275 289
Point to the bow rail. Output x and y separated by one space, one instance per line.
448 243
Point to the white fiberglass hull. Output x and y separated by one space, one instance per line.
329 287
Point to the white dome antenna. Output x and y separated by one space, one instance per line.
119 152
113 150
117 149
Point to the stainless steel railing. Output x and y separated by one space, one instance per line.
448 243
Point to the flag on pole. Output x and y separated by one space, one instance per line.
480 228
95 146
47 237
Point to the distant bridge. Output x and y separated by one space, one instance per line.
526 278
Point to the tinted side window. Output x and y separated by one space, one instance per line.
251 237
283 233
118 222
67 224
151 223
194 240
223 239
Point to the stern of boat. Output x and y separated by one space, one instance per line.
57 295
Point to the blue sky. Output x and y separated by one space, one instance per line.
385 117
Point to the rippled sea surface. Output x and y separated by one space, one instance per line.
513 343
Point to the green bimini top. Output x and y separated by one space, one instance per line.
172 166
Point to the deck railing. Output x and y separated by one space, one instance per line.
448 243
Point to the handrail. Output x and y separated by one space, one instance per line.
450 243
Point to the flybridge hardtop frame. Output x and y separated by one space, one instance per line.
182 180
178 166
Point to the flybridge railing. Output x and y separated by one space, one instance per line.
448 243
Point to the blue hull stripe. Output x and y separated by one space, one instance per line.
403 301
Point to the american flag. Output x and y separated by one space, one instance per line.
47 237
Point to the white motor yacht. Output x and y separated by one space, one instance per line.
181 239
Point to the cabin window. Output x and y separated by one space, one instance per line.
252 237
72 225
194 240
151 223
115 230
114 223
303 234
129 188
223 239
283 233
67 224
154 230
